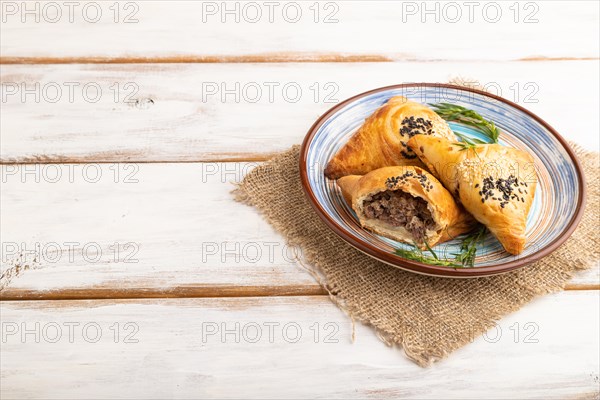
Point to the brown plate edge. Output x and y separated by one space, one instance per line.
434 270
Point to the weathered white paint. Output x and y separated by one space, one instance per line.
394 30
183 122
180 217
180 221
555 354
166 211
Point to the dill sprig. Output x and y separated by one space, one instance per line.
467 142
464 259
468 247
453 112
416 254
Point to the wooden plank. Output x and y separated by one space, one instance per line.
193 112
292 31
180 349
175 292
147 230
160 227
220 59
255 59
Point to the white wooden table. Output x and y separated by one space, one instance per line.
122 126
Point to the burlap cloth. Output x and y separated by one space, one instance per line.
428 317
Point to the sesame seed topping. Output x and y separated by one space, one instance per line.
405 154
504 187
412 126
391 182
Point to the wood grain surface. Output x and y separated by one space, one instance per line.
126 230
121 133
284 347
290 31
231 112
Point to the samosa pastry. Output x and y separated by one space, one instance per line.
381 140
407 204
495 183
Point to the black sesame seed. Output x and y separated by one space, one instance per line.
412 126
407 155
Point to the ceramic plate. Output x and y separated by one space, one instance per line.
556 210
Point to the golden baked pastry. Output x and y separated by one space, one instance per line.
407 204
381 140
495 183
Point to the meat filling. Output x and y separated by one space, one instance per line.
398 208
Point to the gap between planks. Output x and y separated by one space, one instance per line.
186 292
189 292
259 58
9 294
123 157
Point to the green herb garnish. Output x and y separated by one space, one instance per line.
468 247
467 142
464 259
416 254
453 112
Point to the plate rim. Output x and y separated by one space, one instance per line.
427 269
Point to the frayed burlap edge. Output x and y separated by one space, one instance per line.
269 188
405 308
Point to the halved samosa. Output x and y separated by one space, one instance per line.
407 204
381 140
495 183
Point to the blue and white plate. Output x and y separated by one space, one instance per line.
556 210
